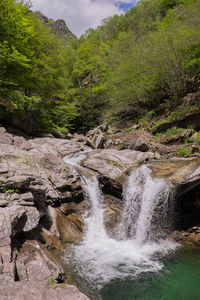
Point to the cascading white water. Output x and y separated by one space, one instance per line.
100 258
95 220
142 195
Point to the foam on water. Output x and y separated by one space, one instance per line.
100 258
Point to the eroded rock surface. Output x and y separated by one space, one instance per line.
34 180
112 165
40 291
182 172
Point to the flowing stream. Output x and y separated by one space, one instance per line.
100 259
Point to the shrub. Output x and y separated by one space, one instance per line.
197 138
183 151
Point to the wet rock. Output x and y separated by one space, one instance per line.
112 215
186 237
77 219
68 230
184 173
112 165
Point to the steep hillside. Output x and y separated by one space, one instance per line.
138 68
58 27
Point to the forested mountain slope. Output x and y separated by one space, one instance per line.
137 67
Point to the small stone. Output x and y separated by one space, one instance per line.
157 155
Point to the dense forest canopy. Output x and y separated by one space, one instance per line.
118 72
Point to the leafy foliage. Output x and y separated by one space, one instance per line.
32 72
119 72
138 59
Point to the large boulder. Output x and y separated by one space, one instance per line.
112 165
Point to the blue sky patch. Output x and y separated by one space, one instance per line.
126 6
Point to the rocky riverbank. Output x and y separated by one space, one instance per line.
42 201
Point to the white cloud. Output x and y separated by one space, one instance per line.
80 14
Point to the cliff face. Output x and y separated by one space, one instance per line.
58 27
34 180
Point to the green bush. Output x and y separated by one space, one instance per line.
183 151
197 138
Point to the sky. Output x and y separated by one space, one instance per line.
80 15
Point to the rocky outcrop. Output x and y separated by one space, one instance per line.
139 141
34 181
58 27
103 137
178 138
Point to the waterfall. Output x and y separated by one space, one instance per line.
95 219
100 258
147 202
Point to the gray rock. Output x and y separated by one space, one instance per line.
99 141
23 218
142 144
104 127
40 291
27 197
4 203
5 226
6 265
113 164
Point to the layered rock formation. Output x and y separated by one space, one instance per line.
42 202
34 180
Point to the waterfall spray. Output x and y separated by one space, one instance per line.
100 258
